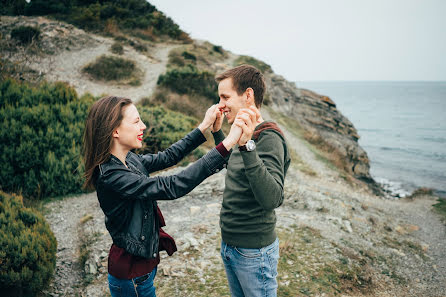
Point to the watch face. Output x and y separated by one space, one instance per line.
250 145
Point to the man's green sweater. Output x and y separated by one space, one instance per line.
253 189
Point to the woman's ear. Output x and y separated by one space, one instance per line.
115 134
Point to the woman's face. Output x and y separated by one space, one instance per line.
129 133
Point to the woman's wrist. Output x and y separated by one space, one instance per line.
203 127
228 143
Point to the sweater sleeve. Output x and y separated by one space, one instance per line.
264 168
219 136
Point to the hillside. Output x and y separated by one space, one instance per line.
339 234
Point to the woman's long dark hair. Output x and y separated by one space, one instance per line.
104 117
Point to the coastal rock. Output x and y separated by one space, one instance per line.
322 123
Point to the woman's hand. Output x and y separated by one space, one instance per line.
233 136
219 119
209 118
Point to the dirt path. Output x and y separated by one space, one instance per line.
67 67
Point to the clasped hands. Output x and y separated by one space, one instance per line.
242 128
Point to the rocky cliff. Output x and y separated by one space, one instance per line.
322 124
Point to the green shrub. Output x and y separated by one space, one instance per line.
25 34
262 66
164 127
28 253
95 15
189 80
189 56
12 7
139 47
109 68
117 48
41 144
42 7
218 49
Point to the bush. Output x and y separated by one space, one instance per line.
41 145
109 68
262 66
189 56
117 48
28 254
218 49
189 80
164 127
96 15
25 34
42 7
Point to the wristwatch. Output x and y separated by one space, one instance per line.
248 147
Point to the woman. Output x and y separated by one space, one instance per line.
126 193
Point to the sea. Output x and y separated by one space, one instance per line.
402 127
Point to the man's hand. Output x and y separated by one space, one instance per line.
209 118
246 119
219 119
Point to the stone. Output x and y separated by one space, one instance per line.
90 267
400 229
412 228
194 210
348 226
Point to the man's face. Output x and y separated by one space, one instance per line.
230 101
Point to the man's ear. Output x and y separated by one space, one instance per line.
250 97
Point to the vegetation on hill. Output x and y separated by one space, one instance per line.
41 146
117 69
262 66
135 17
28 254
188 85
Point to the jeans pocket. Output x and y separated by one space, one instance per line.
140 280
115 290
248 253
272 254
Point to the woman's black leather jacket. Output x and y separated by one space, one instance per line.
128 195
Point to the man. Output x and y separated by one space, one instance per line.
253 186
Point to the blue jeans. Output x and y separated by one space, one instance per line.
251 272
141 286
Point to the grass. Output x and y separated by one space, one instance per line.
316 145
440 208
306 268
111 68
209 282
262 66
117 48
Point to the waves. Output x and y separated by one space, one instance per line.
410 152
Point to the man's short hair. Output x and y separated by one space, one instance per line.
243 77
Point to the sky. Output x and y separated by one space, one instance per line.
324 40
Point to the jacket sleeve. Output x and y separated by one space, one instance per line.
129 185
174 154
265 170
219 136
